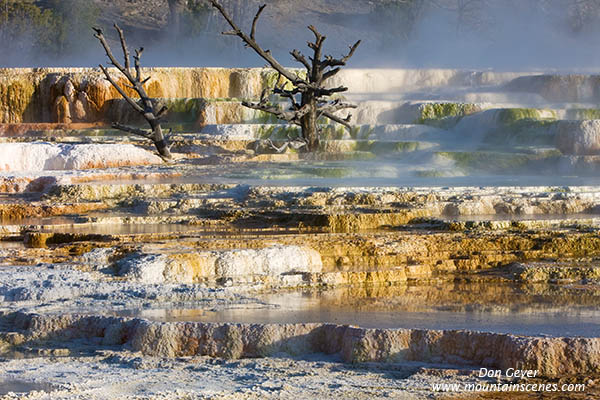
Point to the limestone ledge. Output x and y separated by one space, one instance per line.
282 263
41 156
24 184
555 272
68 95
274 266
421 202
120 191
18 211
579 137
44 181
82 94
356 258
552 357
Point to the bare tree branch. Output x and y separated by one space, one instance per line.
301 59
329 92
162 112
138 69
289 94
331 73
123 46
100 36
292 116
147 108
256 17
335 62
307 96
294 143
265 54
318 44
130 129
339 120
334 106
131 102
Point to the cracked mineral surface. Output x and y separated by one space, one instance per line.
433 240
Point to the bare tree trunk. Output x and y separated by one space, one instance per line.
136 82
313 102
308 123
161 144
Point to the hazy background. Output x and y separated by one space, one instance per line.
498 34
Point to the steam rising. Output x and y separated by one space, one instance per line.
499 34
504 35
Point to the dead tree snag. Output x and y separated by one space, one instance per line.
308 96
144 106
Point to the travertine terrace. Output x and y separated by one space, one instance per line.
455 228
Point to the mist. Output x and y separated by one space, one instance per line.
484 34
503 35
498 34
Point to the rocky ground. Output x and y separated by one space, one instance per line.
158 246
435 239
110 374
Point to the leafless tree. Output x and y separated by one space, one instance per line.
308 95
145 105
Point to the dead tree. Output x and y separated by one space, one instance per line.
144 106
308 95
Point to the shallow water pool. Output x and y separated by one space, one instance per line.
502 307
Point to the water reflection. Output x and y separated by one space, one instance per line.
535 310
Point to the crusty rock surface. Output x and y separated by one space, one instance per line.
579 137
111 374
552 357
555 272
49 288
34 157
241 265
